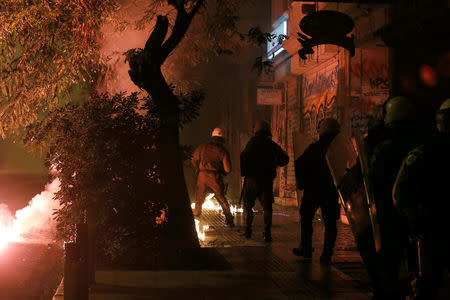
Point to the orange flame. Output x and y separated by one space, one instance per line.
210 205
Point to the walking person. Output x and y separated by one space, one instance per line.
314 177
259 162
211 161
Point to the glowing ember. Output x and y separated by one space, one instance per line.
201 230
33 223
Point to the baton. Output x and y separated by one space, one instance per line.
242 191
419 256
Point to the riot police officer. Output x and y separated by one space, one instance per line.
211 162
259 162
313 176
421 194
376 130
401 124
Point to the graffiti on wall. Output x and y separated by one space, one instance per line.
319 98
369 84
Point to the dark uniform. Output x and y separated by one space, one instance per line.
212 161
259 162
313 176
422 197
384 166
376 130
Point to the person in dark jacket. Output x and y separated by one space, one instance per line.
403 136
211 162
422 198
314 177
259 162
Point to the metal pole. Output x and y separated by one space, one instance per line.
71 272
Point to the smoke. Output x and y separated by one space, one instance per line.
35 222
116 42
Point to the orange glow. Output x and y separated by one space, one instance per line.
428 75
201 230
210 205
6 227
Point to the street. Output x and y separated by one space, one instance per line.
251 269
292 276
30 271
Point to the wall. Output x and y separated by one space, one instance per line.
369 84
319 96
278 8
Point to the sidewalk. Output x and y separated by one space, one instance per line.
255 270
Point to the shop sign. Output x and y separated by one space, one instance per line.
266 96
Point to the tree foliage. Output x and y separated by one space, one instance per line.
106 156
50 49
120 154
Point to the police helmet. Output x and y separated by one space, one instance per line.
443 117
217 132
399 109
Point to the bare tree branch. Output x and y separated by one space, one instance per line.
180 28
158 35
196 7
178 4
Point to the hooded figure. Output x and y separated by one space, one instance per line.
211 162
259 162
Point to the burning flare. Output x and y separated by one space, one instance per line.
33 223
210 205
201 231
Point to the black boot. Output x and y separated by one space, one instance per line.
267 236
306 252
229 220
325 259
248 233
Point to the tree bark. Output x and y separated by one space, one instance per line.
182 233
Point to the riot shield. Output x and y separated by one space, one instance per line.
364 162
342 159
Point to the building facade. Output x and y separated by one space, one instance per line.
388 61
329 83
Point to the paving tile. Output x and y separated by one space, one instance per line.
295 278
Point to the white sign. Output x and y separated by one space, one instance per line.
268 96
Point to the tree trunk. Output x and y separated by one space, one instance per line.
182 233
146 73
